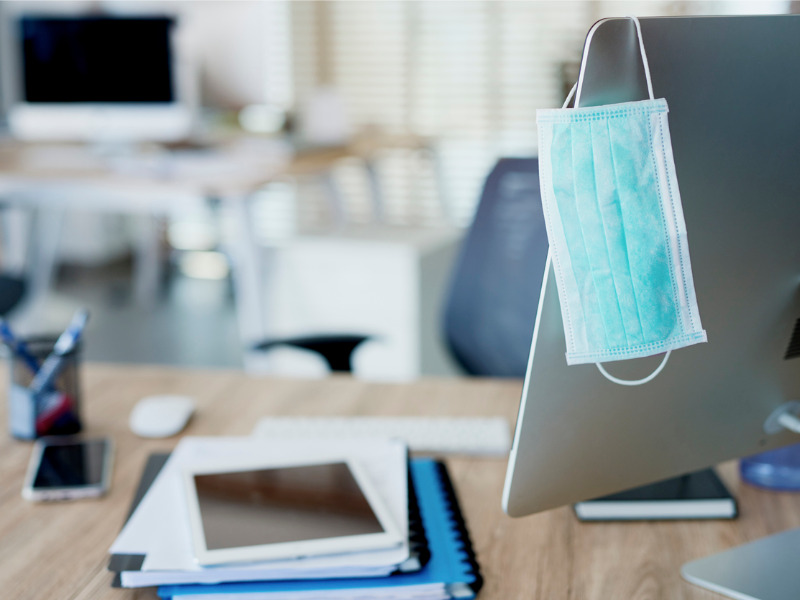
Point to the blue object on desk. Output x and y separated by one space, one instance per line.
37 406
777 469
17 346
452 562
65 344
56 411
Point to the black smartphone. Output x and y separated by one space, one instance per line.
68 468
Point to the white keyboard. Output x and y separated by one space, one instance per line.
483 436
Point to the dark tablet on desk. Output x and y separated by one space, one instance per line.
284 512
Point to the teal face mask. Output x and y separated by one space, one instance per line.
616 230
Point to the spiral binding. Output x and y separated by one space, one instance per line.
460 525
417 540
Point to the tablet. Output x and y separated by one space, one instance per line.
265 513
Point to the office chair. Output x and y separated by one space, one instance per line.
494 295
12 289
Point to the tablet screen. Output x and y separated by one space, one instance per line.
277 505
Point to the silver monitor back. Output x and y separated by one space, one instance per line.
733 91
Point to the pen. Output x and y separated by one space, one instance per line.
65 343
17 346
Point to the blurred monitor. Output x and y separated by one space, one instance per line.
96 78
733 93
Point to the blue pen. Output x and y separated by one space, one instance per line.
65 343
17 346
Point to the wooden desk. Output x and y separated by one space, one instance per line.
59 550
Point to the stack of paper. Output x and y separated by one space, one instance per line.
159 528
434 561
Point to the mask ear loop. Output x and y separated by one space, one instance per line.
645 63
647 379
570 95
578 86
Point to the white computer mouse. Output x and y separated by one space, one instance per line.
161 416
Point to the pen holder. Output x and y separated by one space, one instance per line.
56 411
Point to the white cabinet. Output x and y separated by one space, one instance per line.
386 282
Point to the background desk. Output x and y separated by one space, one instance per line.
147 182
59 550
151 182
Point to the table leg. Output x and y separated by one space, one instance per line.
147 266
46 237
16 244
376 193
441 186
338 211
247 272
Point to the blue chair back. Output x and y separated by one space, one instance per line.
494 294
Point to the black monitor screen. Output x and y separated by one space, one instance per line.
96 59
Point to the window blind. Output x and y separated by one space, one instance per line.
467 74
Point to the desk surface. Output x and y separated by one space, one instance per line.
237 165
59 550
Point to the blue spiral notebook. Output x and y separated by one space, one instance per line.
451 572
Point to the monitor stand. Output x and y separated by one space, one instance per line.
766 569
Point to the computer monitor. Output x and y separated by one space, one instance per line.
96 78
733 93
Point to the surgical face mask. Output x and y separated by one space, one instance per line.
616 230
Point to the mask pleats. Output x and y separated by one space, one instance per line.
610 210
646 237
616 230
567 190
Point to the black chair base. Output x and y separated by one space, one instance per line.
337 350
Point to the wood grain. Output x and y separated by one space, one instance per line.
59 550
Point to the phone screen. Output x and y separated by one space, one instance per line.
76 464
